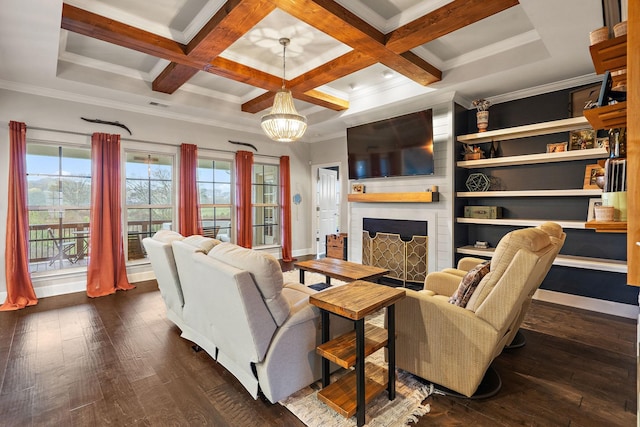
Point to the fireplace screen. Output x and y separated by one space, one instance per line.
405 260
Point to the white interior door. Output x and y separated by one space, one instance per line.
327 208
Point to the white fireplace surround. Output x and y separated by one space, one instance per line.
398 211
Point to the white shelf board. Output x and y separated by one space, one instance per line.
544 128
600 264
531 159
576 225
532 193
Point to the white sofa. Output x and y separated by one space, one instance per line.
237 308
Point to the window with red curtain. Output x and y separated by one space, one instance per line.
107 271
244 165
285 206
188 206
20 291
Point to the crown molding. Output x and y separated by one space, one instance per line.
150 111
546 88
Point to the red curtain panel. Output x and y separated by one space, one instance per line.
20 291
189 206
244 165
106 272
285 208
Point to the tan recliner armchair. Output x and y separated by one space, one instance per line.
453 346
465 264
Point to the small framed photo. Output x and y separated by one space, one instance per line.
602 142
357 188
556 147
582 98
592 205
582 139
590 174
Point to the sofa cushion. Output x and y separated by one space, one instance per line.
205 244
469 284
264 269
167 236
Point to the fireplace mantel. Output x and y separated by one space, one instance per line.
416 197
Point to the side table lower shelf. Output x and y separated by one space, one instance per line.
355 301
341 394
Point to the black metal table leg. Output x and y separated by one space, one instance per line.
391 347
360 404
324 318
302 276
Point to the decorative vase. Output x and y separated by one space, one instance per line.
483 120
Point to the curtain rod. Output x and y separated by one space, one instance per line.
143 141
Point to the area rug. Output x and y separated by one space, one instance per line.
405 409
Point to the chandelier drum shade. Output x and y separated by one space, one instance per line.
283 123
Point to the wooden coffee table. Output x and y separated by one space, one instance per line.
356 300
339 269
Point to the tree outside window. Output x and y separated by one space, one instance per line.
149 198
266 208
214 190
58 202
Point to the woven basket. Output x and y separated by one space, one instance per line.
620 29
599 35
603 213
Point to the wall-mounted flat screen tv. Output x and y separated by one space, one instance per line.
400 146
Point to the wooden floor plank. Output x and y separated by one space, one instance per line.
117 360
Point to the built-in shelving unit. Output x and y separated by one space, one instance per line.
610 55
609 114
607 226
535 129
531 193
531 159
607 117
588 263
415 197
575 225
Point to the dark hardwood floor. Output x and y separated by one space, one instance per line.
117 360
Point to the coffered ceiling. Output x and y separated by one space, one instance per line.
349 61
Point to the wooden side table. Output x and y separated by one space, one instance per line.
355 301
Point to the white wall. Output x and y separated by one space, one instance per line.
334 152
438 214
44 112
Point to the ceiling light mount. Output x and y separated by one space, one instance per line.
283 123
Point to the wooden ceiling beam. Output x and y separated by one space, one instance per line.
442 21
326 73
231 22
183 66
339 23
98 27
303 87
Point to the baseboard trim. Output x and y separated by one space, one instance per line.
592 304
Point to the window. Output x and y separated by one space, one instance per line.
214 190
58 201
266 209
149 198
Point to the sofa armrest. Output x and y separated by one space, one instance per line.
299 287
442 283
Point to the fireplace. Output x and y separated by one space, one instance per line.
400 246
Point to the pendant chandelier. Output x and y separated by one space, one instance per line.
283 123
